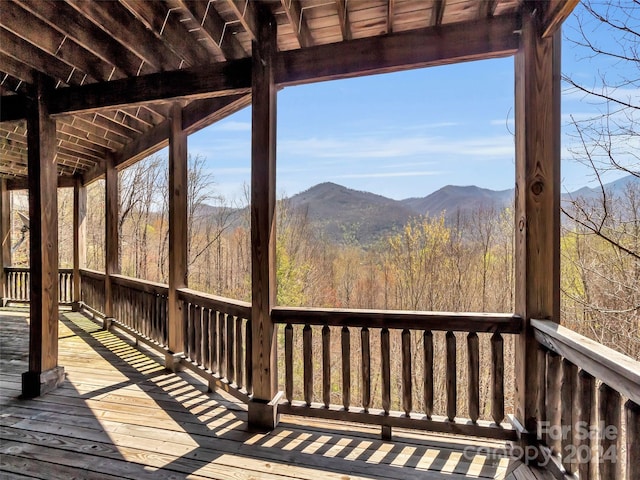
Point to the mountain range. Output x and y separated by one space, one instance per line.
343 215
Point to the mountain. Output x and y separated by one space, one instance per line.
344 215
451 199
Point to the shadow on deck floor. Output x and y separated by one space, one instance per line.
121 415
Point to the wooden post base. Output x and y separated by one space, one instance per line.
172 361
77 306
263 416
35 384
106 323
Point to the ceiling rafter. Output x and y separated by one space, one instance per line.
245 12
124 27
65 19
16 68
438 12
213 26
343 18
295 15
390 12
156 17
488 8
51 41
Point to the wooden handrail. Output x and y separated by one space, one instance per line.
92 273
139 284
27 269
617 370
237 308
399 319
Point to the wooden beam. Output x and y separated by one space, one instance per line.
201 113
295 15
218 79
5 234
79 237
537 113
178 187
343 16
111 237
44 373
12 108
556 13
263 223
390 11
16 68
465 41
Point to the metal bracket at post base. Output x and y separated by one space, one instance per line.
35 384
263 415
172 361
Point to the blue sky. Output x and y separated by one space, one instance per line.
400 135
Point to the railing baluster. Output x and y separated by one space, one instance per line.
567 418
452 397
197 331
213 340
248 352
632 420
609 418
385 351
407 391
307 356
427 341
206 351
365 349
554 385
288 362
222 357
586 386
497 378
326 365
239 362
231 371
346 368
473 384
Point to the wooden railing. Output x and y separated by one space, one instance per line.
583 384
92 290
18 289
142 306
217 337
404 337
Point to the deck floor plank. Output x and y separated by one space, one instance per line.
121 415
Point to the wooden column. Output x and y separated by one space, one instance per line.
5 233
111 238
177 234
537 106
44 373
79 237
263 407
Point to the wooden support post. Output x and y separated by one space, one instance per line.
111 238
177 234
79 237
5 232
537 107
263 407
44 373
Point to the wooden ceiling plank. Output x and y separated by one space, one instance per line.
124 27
16 68
343 16
158 18
131 124
14 46
116 130
244 11
294 13
89 147
81 134
438 12
68 21
205 14
75 149
42 36
113 142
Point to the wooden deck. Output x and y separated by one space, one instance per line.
121 415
